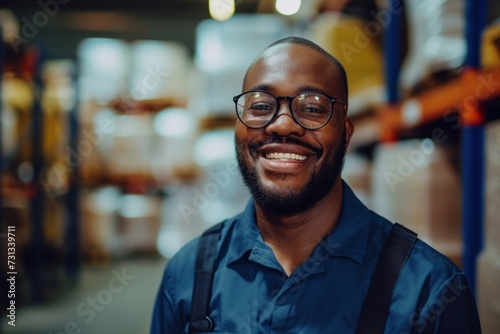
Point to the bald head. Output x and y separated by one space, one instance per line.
313 46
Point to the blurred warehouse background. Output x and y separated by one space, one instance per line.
117 138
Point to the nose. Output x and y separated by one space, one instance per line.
284 124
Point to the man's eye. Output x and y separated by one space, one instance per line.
261 107
313 110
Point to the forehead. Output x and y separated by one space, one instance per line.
290 67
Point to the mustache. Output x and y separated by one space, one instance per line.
286 140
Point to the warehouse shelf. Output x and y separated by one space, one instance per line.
467 95
471 88
17 190
125 104
25 65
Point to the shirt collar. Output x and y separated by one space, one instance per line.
350 236
245 233
348 239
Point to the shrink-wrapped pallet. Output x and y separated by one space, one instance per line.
175 132
104 64
436 41
159 71
223 52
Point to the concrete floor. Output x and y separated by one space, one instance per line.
113 299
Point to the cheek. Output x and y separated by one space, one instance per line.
245 135
241 137
331 138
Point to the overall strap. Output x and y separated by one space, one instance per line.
392 260
205 261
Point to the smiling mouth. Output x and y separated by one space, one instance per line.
285 156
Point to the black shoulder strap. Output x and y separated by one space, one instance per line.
392 260
205 261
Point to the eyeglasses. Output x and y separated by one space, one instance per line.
311 110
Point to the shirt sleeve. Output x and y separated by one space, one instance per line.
165 318
451 309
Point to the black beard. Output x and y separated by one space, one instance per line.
290 201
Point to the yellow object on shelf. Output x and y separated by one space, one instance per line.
354 43
17 92
490 49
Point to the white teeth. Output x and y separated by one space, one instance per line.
285 156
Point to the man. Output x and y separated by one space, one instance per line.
300 258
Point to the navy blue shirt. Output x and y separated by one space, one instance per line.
252 294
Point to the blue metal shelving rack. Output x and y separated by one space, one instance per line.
472 131
37 249
473 149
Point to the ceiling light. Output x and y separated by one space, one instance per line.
288 7
221 10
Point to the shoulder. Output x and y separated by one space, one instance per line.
182 265
179 272
184 259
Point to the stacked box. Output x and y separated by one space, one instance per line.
99 225
140 217
416 183
488 269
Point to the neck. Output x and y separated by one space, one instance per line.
293 238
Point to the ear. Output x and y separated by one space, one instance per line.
349 130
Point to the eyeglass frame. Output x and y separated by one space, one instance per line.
278 99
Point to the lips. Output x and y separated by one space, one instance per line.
279 159
284 151
276 144
278 156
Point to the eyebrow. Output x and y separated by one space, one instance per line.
262 87
303 88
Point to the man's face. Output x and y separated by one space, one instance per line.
286 167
